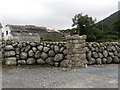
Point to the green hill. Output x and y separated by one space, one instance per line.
110 20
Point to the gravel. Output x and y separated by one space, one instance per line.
37 76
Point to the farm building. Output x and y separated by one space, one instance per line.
28 33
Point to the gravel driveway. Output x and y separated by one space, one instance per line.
52 77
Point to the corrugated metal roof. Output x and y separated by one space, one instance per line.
24 33
26 28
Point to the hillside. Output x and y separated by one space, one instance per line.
110 20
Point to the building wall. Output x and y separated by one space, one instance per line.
27 38
51 35
18 38
7 36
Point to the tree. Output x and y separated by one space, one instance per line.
116 26
83 23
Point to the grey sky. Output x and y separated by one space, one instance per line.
56 14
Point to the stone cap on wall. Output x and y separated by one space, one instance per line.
76 37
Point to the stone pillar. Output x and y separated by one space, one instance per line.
76 52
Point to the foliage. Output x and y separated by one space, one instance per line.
95 32
116 26
83 23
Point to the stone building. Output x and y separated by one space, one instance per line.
29 32
23 33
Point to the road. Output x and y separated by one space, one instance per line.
52 77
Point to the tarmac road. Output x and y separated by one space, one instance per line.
52 77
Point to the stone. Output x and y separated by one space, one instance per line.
82 57
40 61
23 55
22 49
17 57
101 49
52 47
9 47
30 61
27 48
65 52
116 59
33 44
37 54
40 47
77 45
17 50
104 60
118 49
105 53
109 48
10 61
44 55
46 49
113 48
51 53
116 53
45 44
62 49
87 49
24 44
111 54
14 45
58 57
8 42
50 60
34 49
99 61
109 60
96 49
94 55
56 64
21 62
9 53
48 45
100 55
88 55
93 49
92 61
28 42
20 45
89 46
31 53
56 49
65 63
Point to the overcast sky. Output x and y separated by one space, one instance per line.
56 14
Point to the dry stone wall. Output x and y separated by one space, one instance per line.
22 53
76 52
103 53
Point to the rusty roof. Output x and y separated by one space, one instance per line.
51 30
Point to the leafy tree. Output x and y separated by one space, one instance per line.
116 26
83 23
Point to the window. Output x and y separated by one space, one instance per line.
2 34
6 32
